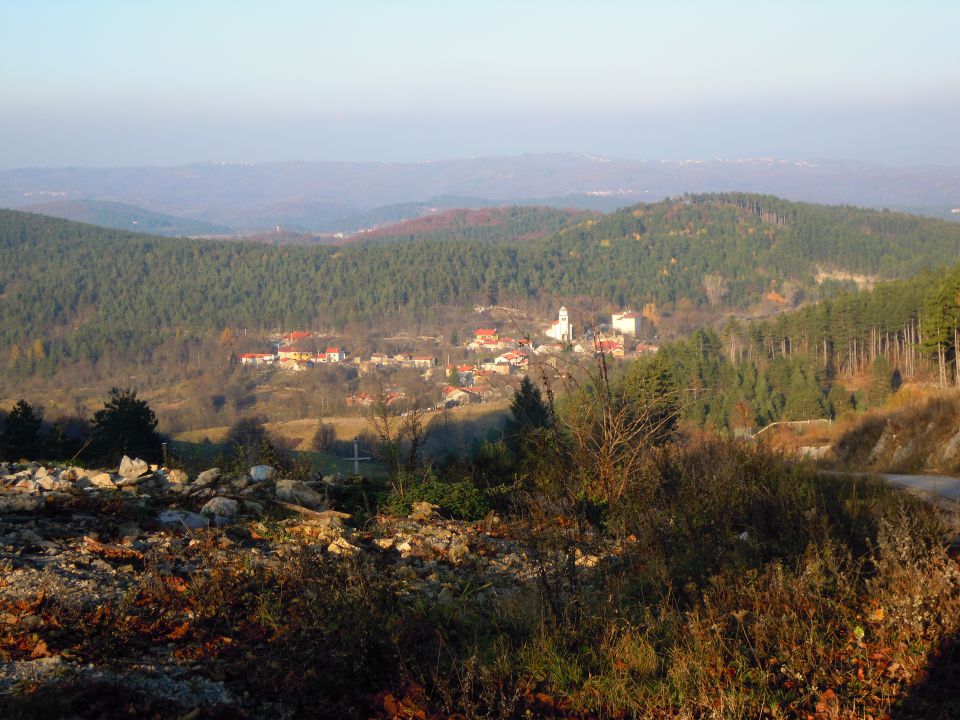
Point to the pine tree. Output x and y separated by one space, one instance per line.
125 426
881 381
651 387
804 398
21 436
529 414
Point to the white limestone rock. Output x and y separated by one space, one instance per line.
261 473
299 493
183 519
221 507
131 469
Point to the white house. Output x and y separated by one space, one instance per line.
257 358
562 329
516 358
627 323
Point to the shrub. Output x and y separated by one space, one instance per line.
459 500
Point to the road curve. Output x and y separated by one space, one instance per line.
943 485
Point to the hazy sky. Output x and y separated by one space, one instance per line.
101 82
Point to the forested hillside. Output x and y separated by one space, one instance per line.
121 216
499 224
796 366
76 291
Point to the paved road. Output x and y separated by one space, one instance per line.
943 485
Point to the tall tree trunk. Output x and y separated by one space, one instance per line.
942 364
956 357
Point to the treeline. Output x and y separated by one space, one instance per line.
125 425
795 366
77 292
913 325
751 390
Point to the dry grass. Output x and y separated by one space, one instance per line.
485 416
749 587
910 436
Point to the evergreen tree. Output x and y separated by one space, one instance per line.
529 415
881 381
839 400
21 436
125 426
804 400
650 386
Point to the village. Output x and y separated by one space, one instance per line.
501 358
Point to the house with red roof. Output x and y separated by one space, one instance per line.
516 358
627 322
296 336
613 348
257 358
453 396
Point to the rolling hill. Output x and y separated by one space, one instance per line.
340 196
121 216
84 292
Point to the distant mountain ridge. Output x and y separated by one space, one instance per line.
336 196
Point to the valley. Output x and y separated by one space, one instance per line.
556 418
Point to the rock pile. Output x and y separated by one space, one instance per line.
81 538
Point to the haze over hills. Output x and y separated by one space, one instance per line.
125 217
341 196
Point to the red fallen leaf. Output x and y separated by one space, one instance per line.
860 674
175 583
40 651
178 632
827 697
111 551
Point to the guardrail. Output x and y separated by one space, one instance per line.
790 423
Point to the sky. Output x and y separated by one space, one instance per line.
117 82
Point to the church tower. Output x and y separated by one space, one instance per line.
564 330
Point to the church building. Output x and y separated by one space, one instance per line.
562 329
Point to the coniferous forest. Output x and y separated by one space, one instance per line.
78 292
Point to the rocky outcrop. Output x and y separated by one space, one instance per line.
83 539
